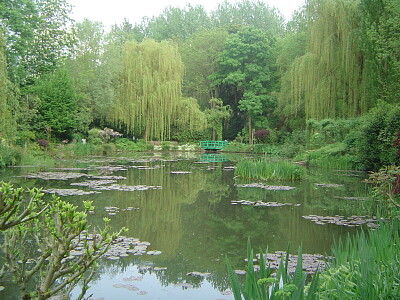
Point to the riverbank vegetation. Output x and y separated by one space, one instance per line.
321 89
324 79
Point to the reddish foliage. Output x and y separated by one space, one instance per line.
396 142
261 134
43 143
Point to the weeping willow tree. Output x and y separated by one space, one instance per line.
149 90
189 115
7 99
328 81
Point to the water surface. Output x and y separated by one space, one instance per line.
190 218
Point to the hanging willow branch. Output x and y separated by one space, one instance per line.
150 88
329 80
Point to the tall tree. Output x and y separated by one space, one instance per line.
7 99
37 34
57 103
215 117
248 13
84 68
328 81
149 88
245 68
177 24
380 35
199 54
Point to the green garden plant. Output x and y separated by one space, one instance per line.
269 170
263 285
38 237
365 266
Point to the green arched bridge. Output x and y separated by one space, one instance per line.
213 145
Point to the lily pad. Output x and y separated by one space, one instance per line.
69 192
180 172
267 187
329 185
55 175
200 274
123 187
91 183
352 221
153 252
261 203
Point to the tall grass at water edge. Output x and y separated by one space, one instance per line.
268 170
266 285
364 266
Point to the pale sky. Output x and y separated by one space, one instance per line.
110 12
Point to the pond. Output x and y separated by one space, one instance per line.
193 212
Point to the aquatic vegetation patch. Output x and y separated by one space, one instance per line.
54 175
129 287
112 210
267 187
91 183
352 221
122 247
352 198
269 170
261 203
107 177
199 274
133 278
310 262
68 192
329 185
125 188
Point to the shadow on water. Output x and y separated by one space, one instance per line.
192 220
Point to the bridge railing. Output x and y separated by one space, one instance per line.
213 145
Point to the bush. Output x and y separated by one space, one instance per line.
124 144
93 134
8 155
375 147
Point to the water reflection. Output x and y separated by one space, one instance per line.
192 221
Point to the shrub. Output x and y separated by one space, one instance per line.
8 155
375 147
261 135
93 133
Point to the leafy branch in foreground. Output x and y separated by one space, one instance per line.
38 252
14 211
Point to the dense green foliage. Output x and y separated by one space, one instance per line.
307 82
267 285
364 267
53 227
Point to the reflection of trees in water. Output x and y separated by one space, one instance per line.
158 218
197 236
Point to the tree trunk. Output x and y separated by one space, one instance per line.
250 131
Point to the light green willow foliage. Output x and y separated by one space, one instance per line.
328 81
149 88
7 99
189 115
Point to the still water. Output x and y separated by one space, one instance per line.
188 216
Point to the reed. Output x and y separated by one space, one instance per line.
266 285
266 170
366 266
